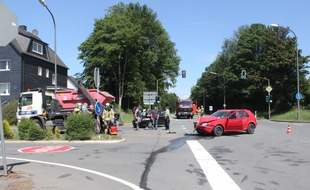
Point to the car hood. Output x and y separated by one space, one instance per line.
204 119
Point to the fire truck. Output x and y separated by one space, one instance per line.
52 108
186 108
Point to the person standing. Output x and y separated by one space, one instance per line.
108 118
84 108
137 117
167 119
202 111
155 117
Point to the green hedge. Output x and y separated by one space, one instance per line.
80 127
9 112
30 130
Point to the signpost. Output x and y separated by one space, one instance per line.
8 31
98 106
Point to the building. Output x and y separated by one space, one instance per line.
28 62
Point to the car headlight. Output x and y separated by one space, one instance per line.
204 124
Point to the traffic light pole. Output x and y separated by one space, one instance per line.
183 76
244 75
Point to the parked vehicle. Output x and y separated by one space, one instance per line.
49 108
147 122
222 121
186 108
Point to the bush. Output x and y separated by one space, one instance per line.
9 112
35 133
8 133
79 127
29 130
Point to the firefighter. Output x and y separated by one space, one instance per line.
78 108
107 117
202 111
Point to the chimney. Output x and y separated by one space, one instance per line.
23 27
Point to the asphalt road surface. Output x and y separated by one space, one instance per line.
153 159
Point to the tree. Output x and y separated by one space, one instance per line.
263 52
132 50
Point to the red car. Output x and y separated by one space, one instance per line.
221 121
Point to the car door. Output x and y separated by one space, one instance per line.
235 122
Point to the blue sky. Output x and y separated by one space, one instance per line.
197 27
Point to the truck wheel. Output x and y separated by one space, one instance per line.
38 123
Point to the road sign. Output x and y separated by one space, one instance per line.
98 108
45 149
298 96
149 98
210 108
269 89
8 25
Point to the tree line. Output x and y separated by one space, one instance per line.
132 50
264 52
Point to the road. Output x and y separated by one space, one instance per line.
153 159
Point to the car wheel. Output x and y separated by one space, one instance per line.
251 129
218 130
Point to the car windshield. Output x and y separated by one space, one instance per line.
185 103
221 114
26 100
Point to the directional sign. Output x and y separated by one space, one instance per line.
45 149
8 25
298 96
98 108
149 98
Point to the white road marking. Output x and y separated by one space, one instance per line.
215 174
133 186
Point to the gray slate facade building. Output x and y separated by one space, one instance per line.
27 62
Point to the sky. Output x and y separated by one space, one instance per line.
197 27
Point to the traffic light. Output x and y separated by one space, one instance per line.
157 100
183 73
243 74
269 99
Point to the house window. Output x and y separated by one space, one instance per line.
37 48
53 79
5 65
40 71
4 88
47 73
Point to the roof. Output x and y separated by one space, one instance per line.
23 40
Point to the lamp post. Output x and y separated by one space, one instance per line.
214 73
55 75
298 96
157 84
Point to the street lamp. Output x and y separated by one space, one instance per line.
298 95
214 73
55 77
157 84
